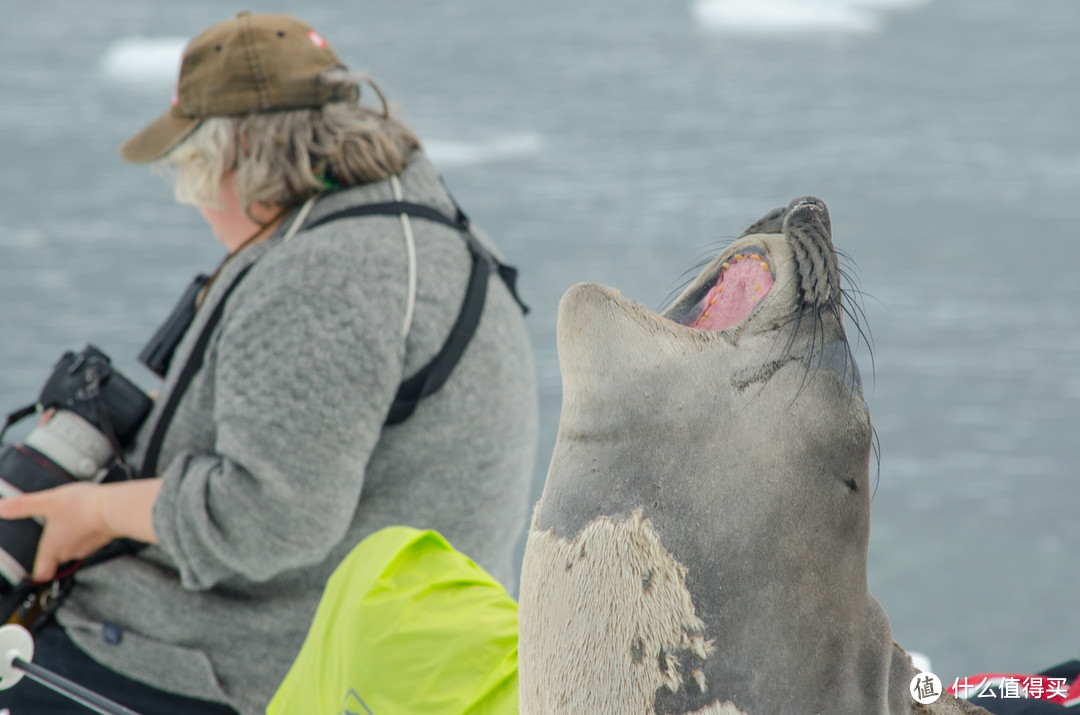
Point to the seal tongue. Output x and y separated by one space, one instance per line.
742 283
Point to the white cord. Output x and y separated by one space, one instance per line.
298 222
410 250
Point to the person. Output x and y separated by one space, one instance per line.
278 441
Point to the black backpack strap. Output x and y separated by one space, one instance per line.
195 361
509 276
507 273
432 376
460 221
395 208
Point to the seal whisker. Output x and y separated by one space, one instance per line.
819 329
845 261
849 356
853 308
792 335
854 291
681 283
858 317
685 278
806 357
876 447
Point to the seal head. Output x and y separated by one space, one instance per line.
701 542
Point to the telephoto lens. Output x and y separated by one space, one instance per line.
97 412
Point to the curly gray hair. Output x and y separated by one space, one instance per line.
281 158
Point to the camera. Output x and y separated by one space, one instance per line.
97 413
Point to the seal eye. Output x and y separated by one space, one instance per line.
741 283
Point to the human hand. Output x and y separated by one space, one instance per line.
75 523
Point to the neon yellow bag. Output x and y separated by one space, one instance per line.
406 625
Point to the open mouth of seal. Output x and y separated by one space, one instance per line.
741 283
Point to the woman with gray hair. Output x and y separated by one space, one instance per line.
349 366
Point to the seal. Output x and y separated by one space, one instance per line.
701 542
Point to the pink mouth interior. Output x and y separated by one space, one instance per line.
743 281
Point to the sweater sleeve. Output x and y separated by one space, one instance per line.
308 359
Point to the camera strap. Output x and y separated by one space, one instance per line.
17 416
192 366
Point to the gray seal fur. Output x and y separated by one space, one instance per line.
700 545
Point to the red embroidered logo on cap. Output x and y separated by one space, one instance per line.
316 39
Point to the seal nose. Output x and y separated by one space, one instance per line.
808 229
814 204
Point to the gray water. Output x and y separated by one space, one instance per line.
618 143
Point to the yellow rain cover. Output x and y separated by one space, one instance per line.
406 625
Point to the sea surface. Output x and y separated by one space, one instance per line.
621 142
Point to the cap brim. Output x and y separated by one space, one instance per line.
157 138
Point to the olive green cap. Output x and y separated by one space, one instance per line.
251 63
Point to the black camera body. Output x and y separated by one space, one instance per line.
97 413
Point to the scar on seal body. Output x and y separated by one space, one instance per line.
639 648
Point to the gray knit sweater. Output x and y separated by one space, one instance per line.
276 463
